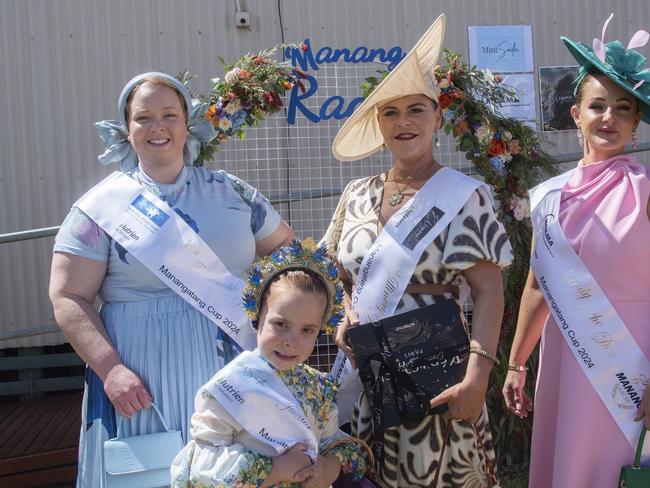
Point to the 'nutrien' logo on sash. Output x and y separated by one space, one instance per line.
150 210
230 390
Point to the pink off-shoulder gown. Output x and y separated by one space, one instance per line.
603 212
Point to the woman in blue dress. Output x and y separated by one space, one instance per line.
147 342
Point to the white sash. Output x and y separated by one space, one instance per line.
390 262
596 335
251 391
155 234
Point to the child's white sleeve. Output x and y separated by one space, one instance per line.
213 457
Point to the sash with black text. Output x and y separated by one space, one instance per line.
251 391
390 262
594 332
149 229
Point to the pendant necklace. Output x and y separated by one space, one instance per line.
397 197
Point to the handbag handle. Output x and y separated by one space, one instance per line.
639 448
370 458
120 421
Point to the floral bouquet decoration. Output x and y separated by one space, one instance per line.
252 88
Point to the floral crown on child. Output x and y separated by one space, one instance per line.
303 255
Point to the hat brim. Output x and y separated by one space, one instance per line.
585 56
360 137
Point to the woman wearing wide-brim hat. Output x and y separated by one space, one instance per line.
403 116
587 293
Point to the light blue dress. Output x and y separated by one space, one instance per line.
162 338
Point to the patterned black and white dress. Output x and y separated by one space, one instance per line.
412 453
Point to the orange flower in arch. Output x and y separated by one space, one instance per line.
495 148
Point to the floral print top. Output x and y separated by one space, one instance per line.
222 454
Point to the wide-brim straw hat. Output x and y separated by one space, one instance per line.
360 135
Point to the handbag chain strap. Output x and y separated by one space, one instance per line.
489 467
120 421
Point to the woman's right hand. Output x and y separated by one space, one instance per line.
351 319
126 391
517 401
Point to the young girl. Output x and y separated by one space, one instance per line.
264 419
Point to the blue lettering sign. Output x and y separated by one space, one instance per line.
333 107
337 103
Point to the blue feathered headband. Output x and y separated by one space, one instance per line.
114 133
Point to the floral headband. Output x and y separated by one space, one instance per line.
623 65
115 134
304 255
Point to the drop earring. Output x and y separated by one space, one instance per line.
437 142
581 139
635 140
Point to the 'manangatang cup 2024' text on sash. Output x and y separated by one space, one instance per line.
389 263
596 335
159 238
250 390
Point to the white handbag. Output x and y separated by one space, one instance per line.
141 461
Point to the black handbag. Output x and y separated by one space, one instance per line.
405 360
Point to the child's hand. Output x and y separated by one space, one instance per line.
321 474
287 465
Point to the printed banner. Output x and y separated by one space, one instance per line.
501 48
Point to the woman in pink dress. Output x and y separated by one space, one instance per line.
604 213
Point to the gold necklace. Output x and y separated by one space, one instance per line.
398 196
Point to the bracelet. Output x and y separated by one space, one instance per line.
484 353
517 367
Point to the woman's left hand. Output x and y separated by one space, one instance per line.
465 399
644 408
